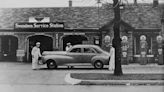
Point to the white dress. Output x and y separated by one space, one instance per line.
36 54
112 59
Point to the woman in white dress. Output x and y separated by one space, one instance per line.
112 58
35 55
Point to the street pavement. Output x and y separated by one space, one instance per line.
77 88
18 77
21 73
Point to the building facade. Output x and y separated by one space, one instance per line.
18 42
21 28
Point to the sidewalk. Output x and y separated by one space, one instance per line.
127 69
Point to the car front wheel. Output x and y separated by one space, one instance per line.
51 64
98 65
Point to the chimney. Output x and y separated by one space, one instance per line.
135 2
70 3
155 3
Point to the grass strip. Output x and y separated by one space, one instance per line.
106 76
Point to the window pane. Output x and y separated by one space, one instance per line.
76 50
88 50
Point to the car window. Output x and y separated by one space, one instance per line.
88 50
76 50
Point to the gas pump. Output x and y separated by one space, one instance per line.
107 41
125 46
160 50
143 50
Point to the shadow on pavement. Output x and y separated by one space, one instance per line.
73 69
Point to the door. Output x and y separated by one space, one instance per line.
87 55
46 44
76 54
9 46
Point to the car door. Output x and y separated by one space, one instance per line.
87 55
76 54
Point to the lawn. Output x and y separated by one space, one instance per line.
106 76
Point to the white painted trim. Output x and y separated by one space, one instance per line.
71 80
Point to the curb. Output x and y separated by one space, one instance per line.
71 80
74 81
121 82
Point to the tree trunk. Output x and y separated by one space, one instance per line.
117 40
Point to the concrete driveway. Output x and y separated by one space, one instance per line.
21 73
19 77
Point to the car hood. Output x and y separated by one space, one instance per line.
54 53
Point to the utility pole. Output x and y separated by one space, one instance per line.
117 40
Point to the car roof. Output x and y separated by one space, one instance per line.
85 45
90 46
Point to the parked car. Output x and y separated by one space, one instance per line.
77 54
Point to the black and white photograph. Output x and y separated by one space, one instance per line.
81 45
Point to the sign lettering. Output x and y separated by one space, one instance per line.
39 25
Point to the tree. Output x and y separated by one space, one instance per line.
117 40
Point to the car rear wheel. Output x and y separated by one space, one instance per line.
98 65
51 64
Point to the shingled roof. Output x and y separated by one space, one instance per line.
84 17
